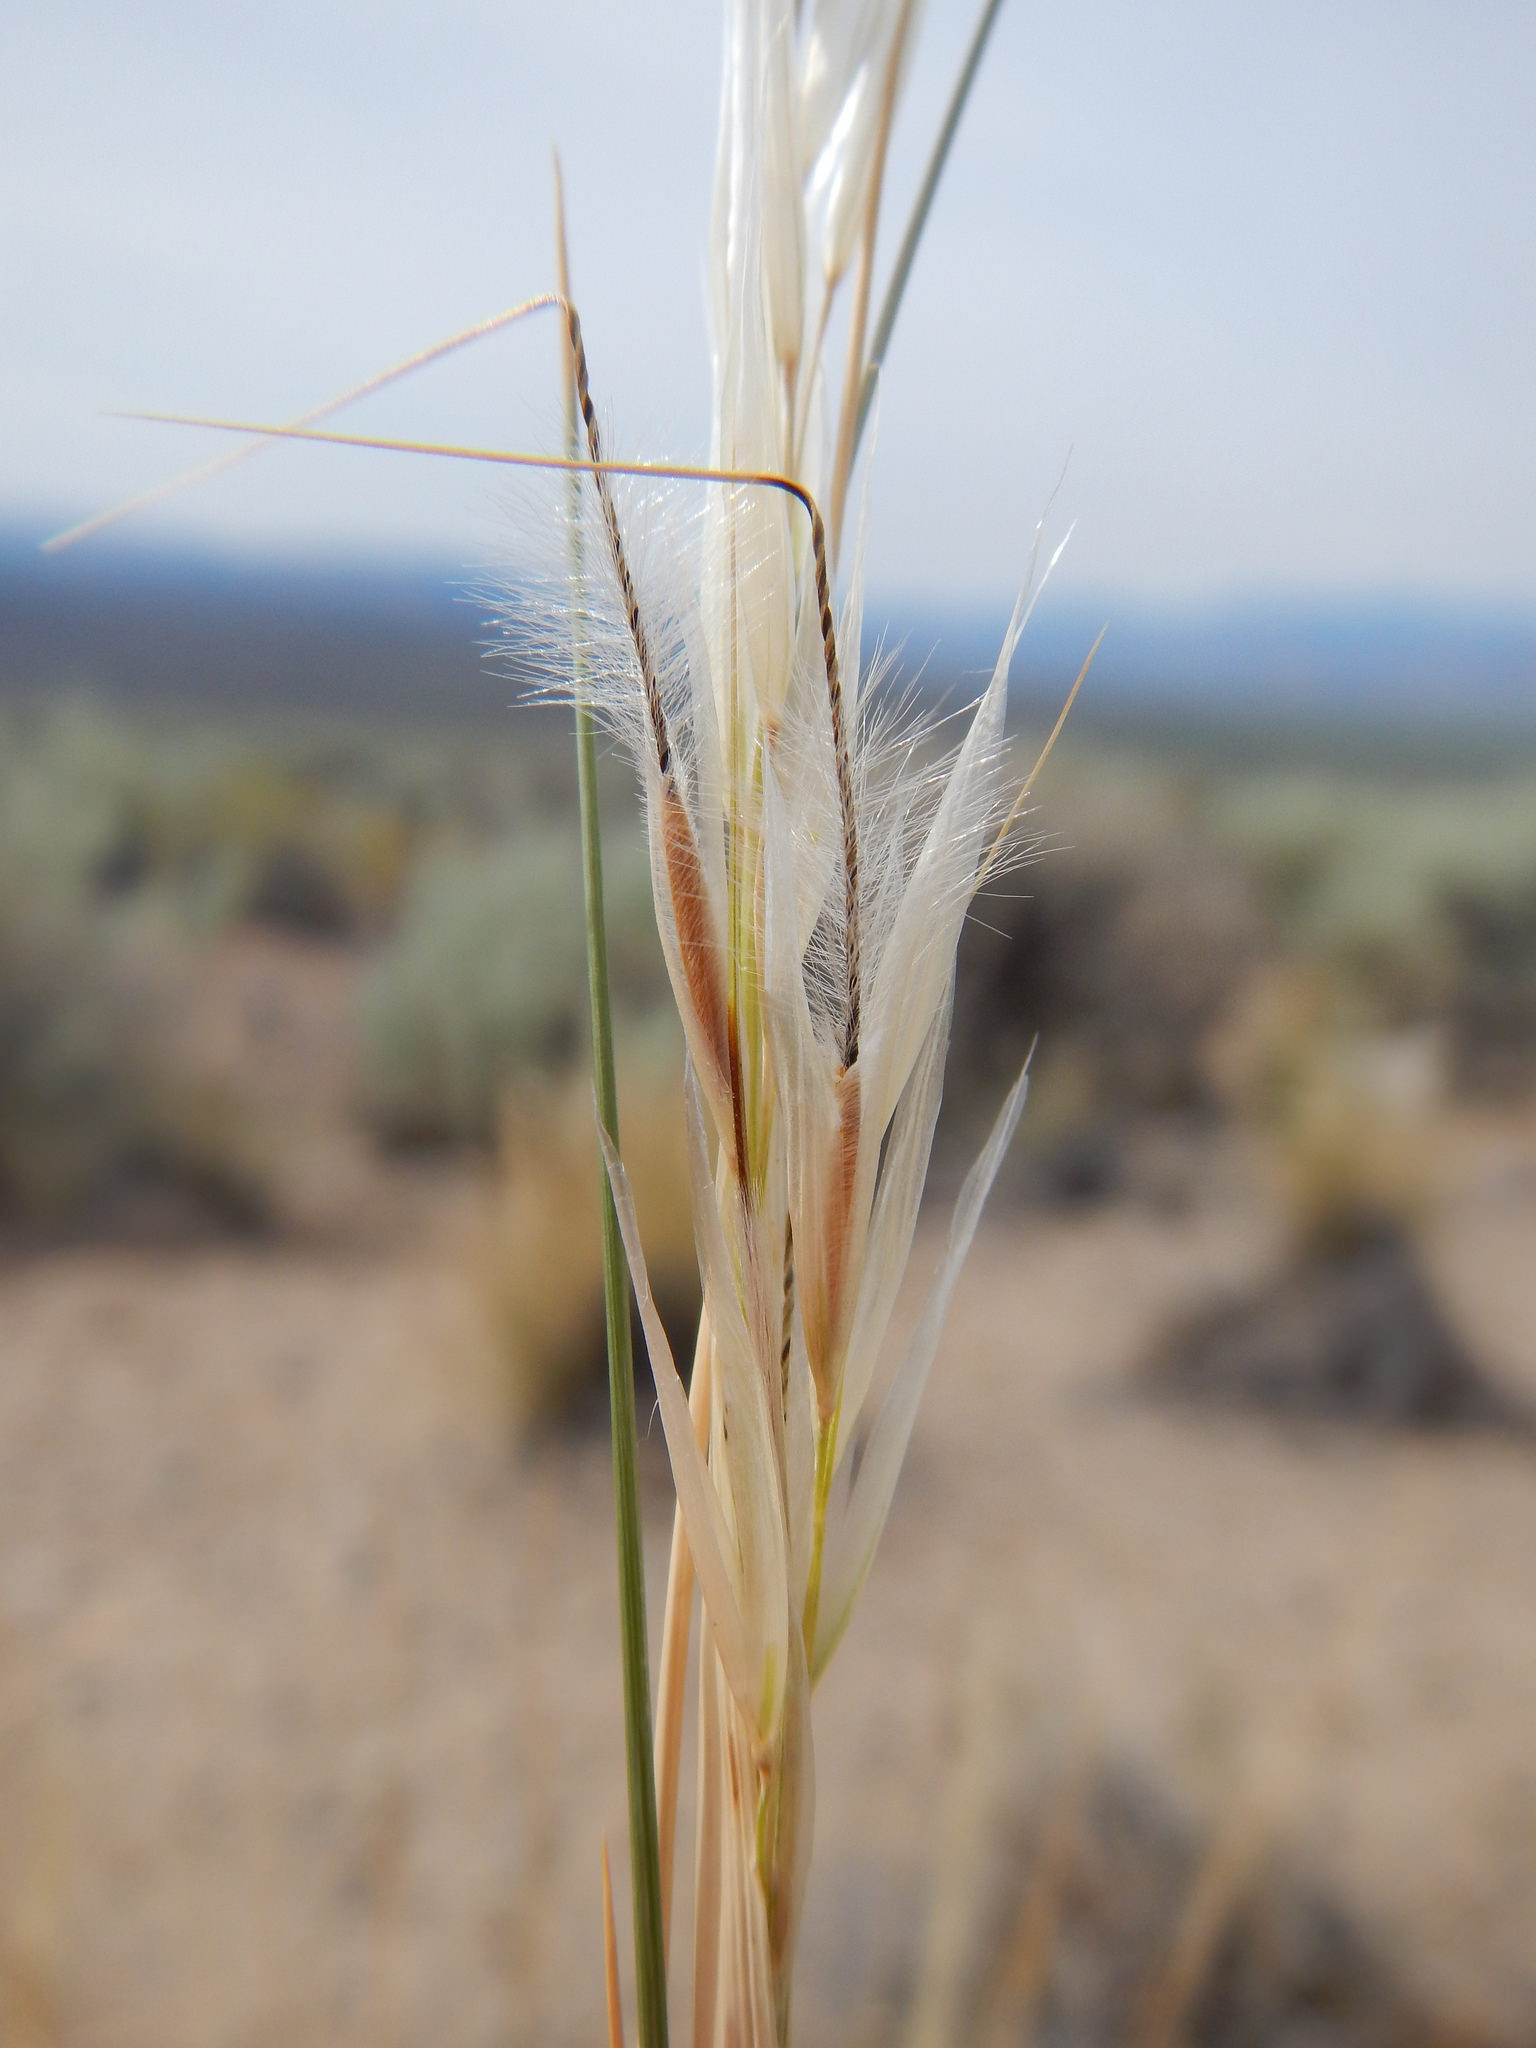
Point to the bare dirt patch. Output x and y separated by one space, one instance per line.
309 1710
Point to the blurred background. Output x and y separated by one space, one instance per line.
1193 1692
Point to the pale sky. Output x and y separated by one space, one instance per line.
1267 272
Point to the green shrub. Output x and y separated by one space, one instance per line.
99 1130
486 977
1492 1008
1357 870
69 1033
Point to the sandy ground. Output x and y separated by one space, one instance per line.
309 1715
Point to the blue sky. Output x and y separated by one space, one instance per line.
1267 273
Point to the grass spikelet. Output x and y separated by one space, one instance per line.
814 852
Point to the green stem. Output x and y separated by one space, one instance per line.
918 219
644 1842
639 1747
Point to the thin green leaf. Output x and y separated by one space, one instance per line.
644 1843
918 219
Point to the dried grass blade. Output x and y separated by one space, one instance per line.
709 1539
204 472
1044 755
675 1629
611 1959
706 1887
869 1498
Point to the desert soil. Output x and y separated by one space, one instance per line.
309 1712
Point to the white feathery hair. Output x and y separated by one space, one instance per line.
815 849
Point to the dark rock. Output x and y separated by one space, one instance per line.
1355 1334
1493 1000
1161 1932
296 890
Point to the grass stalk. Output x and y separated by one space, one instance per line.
826 1457
850 412
709 1904
918 218
644 1847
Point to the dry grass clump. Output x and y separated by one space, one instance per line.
1349 1115
1349 1325
35 1857
1109 1915
537 1259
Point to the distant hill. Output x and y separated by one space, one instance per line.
1368 659
154 627
129 621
